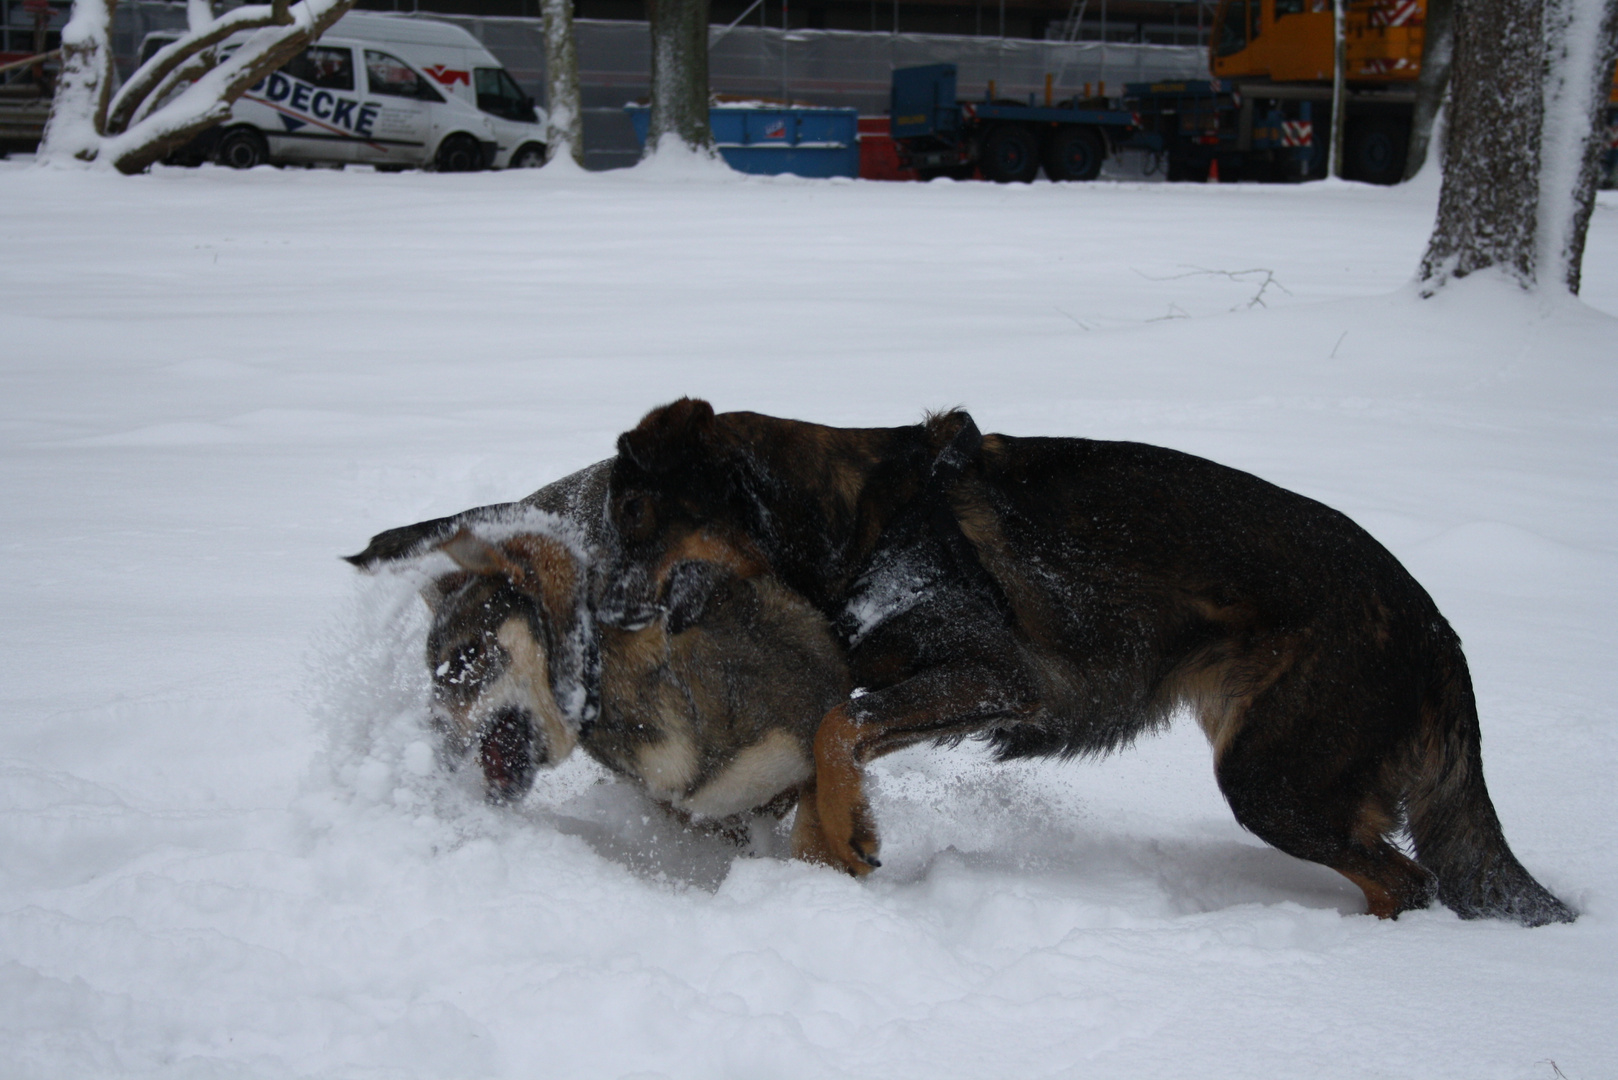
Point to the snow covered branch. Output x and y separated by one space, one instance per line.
152 115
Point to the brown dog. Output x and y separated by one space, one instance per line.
1061 596
711 703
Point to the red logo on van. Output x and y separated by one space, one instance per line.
447 76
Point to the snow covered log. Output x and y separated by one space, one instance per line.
156 111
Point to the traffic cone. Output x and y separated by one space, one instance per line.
1213 171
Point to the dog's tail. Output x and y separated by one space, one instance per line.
1452 822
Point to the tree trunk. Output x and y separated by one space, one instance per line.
1525 132
564 123
1580 71
79 108
1437 51
1489 205
679 74
1339 96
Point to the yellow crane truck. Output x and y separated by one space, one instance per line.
1265 114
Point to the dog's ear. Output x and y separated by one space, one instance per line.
435 590
472 552
536 565
959 442
668 436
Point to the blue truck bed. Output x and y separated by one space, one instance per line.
938 134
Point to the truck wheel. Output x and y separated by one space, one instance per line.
1074 153
1010 156
1186 170
458 153
1375 150
242 148
528 156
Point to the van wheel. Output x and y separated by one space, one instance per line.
242 148
458 153
528 156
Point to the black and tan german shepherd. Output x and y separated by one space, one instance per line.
1062 596
711 704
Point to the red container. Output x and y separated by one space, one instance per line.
879 159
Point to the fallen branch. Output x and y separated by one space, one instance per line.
29 61
1234 275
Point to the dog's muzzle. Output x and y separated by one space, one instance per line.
510 754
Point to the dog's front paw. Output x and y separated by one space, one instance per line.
843 838
859 853
847 828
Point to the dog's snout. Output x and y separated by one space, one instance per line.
509 754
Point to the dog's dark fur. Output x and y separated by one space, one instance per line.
1061 596
711 704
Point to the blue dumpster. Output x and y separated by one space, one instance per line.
773 139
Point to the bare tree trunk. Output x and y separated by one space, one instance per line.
1339 96
564 123
679 73
1437 52
1522 147
1488 207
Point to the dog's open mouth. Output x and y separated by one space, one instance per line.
507 754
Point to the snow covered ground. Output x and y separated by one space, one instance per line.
225 851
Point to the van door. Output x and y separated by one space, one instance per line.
401 125
307 108
448 68
511 112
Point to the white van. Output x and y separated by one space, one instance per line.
381 90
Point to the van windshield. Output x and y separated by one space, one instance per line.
499 95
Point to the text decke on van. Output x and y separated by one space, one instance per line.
316 105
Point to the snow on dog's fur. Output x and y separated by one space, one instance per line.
710 703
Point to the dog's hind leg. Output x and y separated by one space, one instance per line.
1318 787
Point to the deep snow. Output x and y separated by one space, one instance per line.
228 851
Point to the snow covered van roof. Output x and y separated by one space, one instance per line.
373 26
